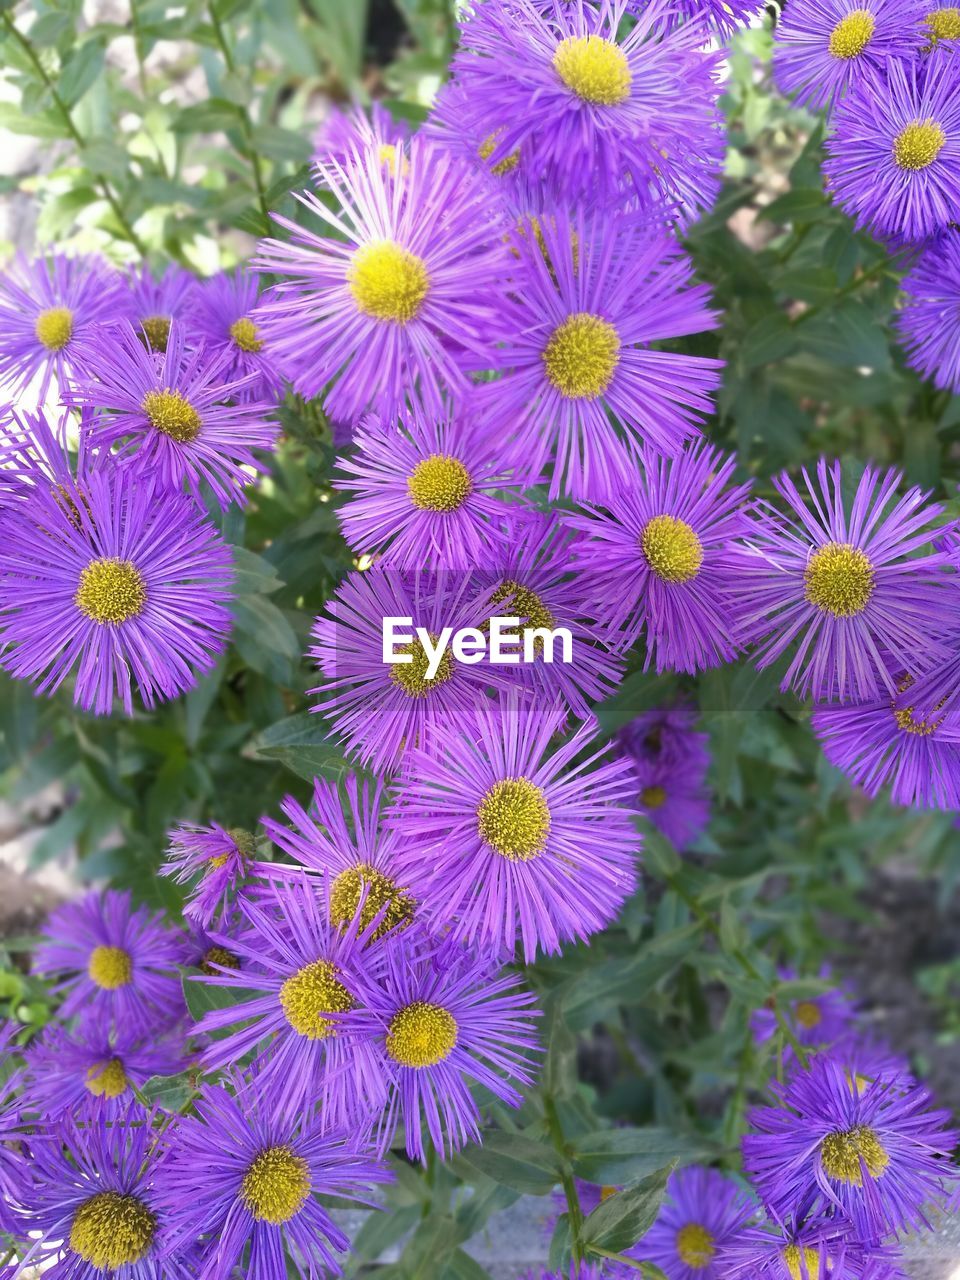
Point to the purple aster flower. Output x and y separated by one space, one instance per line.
704 1213
96 1062
384 709
667 734
388 311
873 1151
261 1212
14 1168
824 47
222 319
427 494
114 960
941 23
816 1021
208 952
47 308
33 452
597 110
94 1201
867 1059
168 412
218 860
927 324
442 1018
354 855
515 842
881 742
345 135
842 583
664 558
300 979
156 302
893 161
820 1248
115 578
591 294
725 16
673 796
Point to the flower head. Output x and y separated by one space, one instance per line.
927 323
817 1021
724 16
673 796
157 302
704 1214
818 1248
345 135
941 24
667 734
219 859
223 318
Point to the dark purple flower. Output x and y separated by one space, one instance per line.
667 734
673 796
704 1214
223 319
817 1021
158 301
219 860
927 323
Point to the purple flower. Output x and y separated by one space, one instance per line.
94 1201
300 980
355 856
873 1150
815 1249
723 15
343 136
941 22
47 309
385 314
663 558
893 162
667 734
591 294
594 113
427 494
816 1021
223 859
515 842
34 453
222 319
673 797
14 1168
115 961
156 302
927 324
824 47
261 1210
843 582
96 1066
122 581
168 412
442 1018
703 1214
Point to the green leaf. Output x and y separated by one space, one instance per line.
515 1161
213 116
264 638
81 70
615 1157
621 1220
302 744
282 144
170 1093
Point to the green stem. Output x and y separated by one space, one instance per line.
618 1257
246 124
78 138
567 1180
874 273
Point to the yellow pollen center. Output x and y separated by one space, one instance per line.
310 993
918 145
595 69
107 1079
110 590
110 968
156 330
808 1015
852 34
421 1035
173 414
944 24
439 483
54 327
246 335
486 149
514 819
412 676
524 603
695 1246
215 956
839 579
811 1260
671 549
388 282
111 1230
653 797
843 1155
581 356
347 890
907 723
276 1186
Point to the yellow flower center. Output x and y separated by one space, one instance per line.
388 282
811 1259
841 1154
347 890
276 1186
110 968
918 145
944 24
156 330
54 327
218 956
653 797
671 549
412 676
111 1230
173 414
852 34
839 579
310 993
595 69
246 335
107 1079
808 1015
695 1246
582 355
421 1035
486 149
439 483
514 819
524 603
110 590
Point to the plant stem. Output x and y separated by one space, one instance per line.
246 124
105 188
567 1180
618 1257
